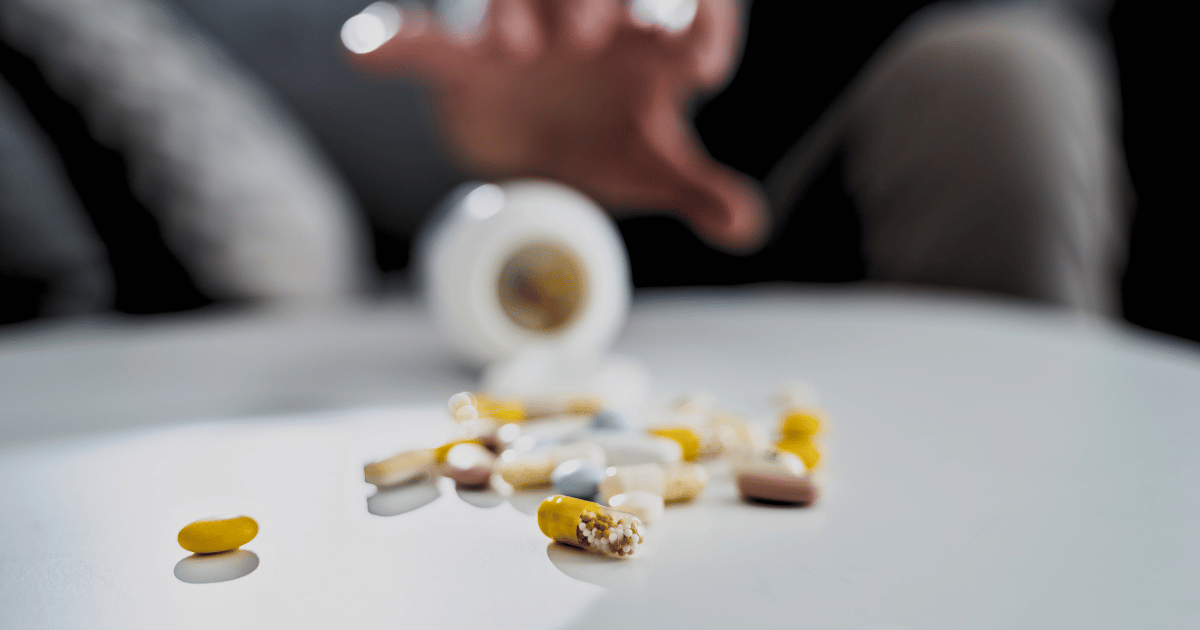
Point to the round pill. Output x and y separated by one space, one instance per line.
460 400
579 478
214 535
469 465
647 506
777 488
609 420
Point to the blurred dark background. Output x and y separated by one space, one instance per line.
798 57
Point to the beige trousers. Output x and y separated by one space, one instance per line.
982 150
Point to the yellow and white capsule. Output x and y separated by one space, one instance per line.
590 526
214 535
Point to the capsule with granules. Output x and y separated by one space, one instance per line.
590 526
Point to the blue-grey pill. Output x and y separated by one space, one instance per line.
579 478
609 420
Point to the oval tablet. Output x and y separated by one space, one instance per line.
644 505
215 535
627 448
399 468
777 488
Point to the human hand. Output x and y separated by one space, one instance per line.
587 93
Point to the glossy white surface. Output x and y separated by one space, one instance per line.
987 466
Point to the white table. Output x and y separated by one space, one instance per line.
988 466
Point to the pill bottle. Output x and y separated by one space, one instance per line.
526 262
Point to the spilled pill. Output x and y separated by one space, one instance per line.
625 448
777 488
590 526
469 465
523 470
804 448
399 468
215 535
640 503
687 439
609 420
800 423
674 482
460 400
579 478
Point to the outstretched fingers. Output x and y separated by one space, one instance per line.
724 207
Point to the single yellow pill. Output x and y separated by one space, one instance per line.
797 423
439 453
502 410
214 535
802 448
687 439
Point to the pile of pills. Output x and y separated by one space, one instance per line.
610 479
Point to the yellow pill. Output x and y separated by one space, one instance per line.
439 453
214 535
590 526
687 439
502 410
802 448
797 423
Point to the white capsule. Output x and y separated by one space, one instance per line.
626 448
466 412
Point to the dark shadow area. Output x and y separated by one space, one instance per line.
148 277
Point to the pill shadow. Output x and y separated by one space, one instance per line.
209 568
400 499
622 574
481 497
769 504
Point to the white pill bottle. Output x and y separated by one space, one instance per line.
525 263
